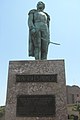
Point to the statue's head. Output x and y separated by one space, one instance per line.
40 5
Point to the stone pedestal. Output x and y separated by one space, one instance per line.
36 90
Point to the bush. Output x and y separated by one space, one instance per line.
2 111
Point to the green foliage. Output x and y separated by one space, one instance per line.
71 117
78 108
2 110
74 112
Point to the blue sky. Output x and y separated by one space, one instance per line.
64 29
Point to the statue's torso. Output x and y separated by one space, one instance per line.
40 17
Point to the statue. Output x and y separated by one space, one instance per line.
39 40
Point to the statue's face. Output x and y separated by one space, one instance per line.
40 6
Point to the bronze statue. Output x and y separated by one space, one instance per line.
39 40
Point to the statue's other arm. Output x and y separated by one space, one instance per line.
48 22
30 22
48 19
31 19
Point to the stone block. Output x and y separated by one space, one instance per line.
33 80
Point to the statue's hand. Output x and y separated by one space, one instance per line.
33 30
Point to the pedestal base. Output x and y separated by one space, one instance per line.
36 90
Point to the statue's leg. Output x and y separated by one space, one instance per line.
36 53
37 44
44 44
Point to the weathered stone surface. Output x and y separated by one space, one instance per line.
36 88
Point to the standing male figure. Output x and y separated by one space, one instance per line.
38 23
